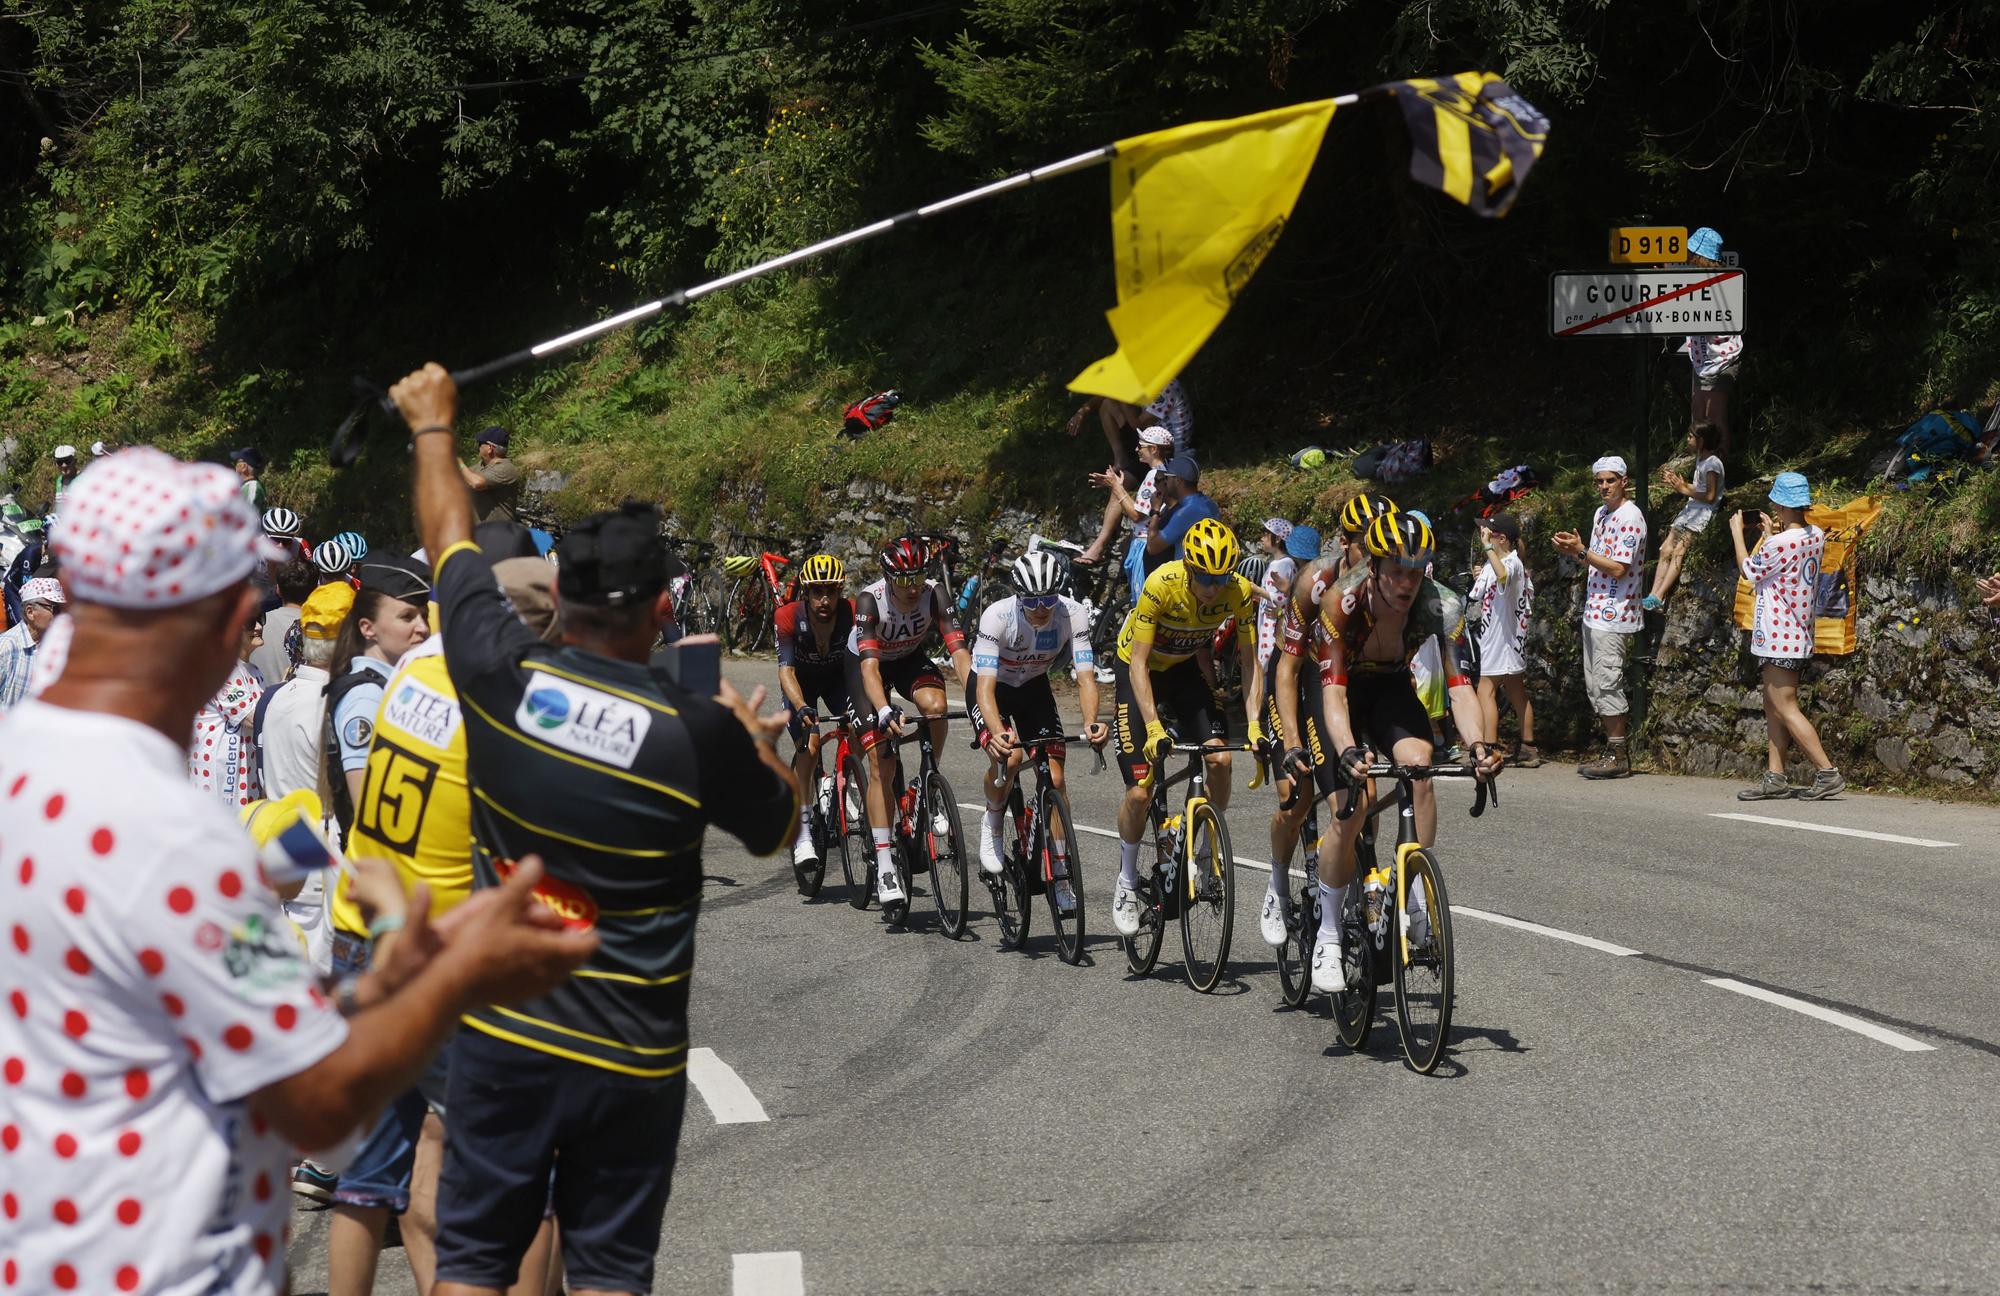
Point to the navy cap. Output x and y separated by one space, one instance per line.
396 575
1184 467
496 436
250 455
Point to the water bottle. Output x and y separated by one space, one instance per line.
826 797
906 806
1374 900
1170 857
966 594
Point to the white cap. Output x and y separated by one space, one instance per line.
97 450
1278 527
65 452
1156 435
141 529
43 589
1609 463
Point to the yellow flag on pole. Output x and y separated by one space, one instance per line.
1194 211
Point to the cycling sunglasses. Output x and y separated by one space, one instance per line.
1209 581
1039 602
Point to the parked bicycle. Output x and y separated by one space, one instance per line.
1043 851
1192 877
927 837
758 584
695 603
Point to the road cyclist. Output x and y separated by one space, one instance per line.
895 619
1010 701
812 632
1159 673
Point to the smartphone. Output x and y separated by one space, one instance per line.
694 663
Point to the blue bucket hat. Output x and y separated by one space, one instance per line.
1791 490
1705 242
1303 542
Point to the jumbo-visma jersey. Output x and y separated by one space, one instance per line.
414 808
1168 617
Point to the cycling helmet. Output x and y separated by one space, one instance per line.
903 557
1254 567
1210 548
281 522
1038 573
1402 539
1363 509
332 558
823 569
357 548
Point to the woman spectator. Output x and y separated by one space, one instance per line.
387 620
1702 493
223 758
1785 572
1503 594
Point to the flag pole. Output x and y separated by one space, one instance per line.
346 446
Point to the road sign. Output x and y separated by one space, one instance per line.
1628 303
1648 244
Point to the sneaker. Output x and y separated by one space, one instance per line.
989 848
1526 757
1826 783
1772 787
803 851
1651 603
1455 756
1065 896
1616 762
889 888
311 1182
1272 921
1125 909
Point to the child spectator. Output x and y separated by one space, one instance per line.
1702 494
222 760
1712 359
1503 595
1785 572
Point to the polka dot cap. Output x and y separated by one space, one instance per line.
140 529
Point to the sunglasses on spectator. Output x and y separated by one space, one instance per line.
1039 602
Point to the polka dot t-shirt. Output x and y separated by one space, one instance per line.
1620 535
151 986
221 760
1785 572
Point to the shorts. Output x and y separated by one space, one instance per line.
610 1139
1722 380
1796 665
1030 708
1182 701
1693 517
906 675
1604 670
1312 701
1384 709
825 690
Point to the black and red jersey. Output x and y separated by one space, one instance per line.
799 646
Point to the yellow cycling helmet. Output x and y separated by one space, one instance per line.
1403 539
1210 548
823 569
1363 509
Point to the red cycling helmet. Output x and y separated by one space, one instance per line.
903 557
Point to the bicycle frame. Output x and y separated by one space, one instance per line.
1406 817
1195 775
1038 756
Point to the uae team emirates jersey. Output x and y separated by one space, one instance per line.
611 773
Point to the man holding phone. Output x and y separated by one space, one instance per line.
613 771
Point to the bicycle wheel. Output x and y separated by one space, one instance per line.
946 852
1295 955
1208 911
1010 888
746 613
1058 842
1142 951
1354 1010
857 849
1423 968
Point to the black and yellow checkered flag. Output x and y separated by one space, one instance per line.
1471 137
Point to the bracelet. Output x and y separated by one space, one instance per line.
384 925
445 428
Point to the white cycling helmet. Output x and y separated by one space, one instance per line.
1038 573
332 558
281 522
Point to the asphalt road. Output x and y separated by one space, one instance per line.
951 1117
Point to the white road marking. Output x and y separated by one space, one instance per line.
1860 1027
1557 933
767 1273
1106 832
1839 832
729 1099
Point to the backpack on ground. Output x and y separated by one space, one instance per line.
870 412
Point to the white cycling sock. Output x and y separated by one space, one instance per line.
885 854
995 816
1279 876
1128 863
1329 910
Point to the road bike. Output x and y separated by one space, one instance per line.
838 815
1302 909
1044 847
927 837
1401 916
1105 589
1192 877
758 584
695 603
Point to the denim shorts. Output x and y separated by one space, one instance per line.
379 1175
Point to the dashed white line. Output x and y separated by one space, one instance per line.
1556 933
1838 832
1880 1034
767 1273
729 1099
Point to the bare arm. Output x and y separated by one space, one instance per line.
428 400
475 480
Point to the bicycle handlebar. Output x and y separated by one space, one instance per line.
1488 789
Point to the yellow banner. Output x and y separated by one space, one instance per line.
1194 212
1837 600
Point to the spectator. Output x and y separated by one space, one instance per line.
1133 506
1177 505
65 457
27 563
249 462
1611 612
616 770
1693 518
1989 590
496 479
1504 594
387 620
223 759
419 733
278 656
1121 423
1785 573
40 599
166 1025
1712 360
293 714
